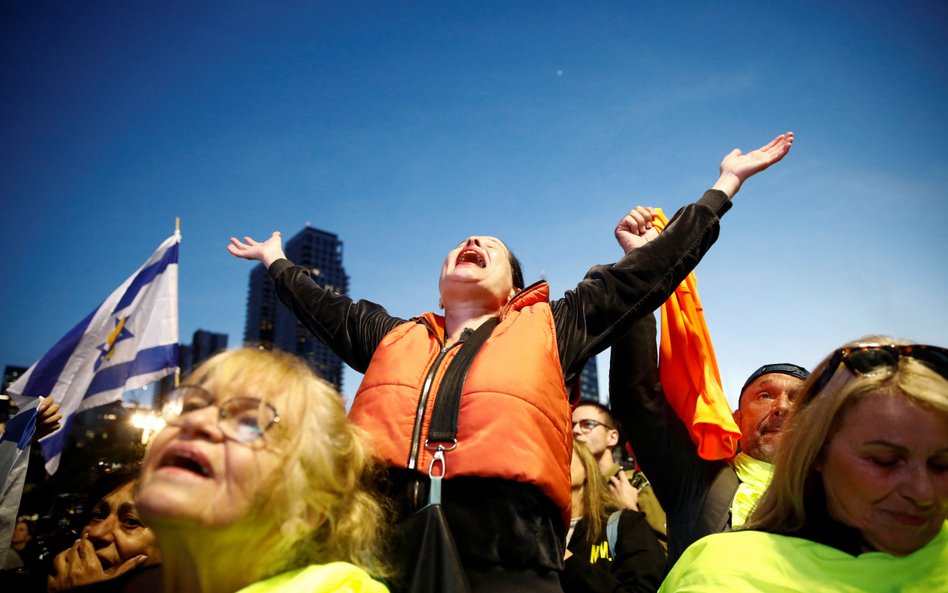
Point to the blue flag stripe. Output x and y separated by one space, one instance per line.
146 361
147 275
47 370
20 428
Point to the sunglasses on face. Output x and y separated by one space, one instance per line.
586 426
882 359
241 419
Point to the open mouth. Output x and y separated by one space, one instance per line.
469 256
188 461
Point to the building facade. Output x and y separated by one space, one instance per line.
589 382
271 325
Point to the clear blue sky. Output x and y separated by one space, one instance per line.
403 127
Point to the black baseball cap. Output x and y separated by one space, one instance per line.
783 368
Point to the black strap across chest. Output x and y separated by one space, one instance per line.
444 417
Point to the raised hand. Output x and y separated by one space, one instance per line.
737 167
635 229
266 252
623 491
48 420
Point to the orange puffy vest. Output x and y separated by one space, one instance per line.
514 419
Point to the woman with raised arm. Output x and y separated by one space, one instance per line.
506 491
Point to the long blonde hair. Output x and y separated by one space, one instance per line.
320 507
598 501
796 484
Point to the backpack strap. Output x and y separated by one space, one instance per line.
612 532
716 510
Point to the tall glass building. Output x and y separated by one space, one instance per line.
271 325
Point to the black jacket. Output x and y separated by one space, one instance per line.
681 479
588 319
637 565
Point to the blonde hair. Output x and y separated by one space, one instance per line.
320 506
796 485
598 501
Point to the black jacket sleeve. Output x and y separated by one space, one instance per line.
638 565
658 437
610 298
351 329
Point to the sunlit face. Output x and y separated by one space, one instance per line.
192 473
764 407
478 267
886 472
117 533
598 440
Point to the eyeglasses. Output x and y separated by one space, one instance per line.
241 419
586 426
881 359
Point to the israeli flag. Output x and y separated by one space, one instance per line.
14 457
129 341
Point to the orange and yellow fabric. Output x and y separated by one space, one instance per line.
689 372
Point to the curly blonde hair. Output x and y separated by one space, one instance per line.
323 494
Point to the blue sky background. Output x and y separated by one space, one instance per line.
404 127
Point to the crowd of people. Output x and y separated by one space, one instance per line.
260 481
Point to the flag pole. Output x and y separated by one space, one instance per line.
177 370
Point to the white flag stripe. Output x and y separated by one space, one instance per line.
130 340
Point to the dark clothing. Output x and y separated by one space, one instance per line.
588 319
663 448
638 563
821 528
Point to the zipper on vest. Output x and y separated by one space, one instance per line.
423 397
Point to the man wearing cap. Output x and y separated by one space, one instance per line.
699 496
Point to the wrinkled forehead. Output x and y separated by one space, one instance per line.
774 382
486 240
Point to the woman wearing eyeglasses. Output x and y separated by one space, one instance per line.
256 483
859 496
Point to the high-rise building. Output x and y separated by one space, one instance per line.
205 344
271 325
589 381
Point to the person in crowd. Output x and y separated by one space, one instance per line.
115 549
258 482
630 560
859 495
510 503
22 542
595 427
699 496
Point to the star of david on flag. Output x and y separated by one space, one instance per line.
129 341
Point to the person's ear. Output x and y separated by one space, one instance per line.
737 416
613 438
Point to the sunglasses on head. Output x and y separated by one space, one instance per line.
882 359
